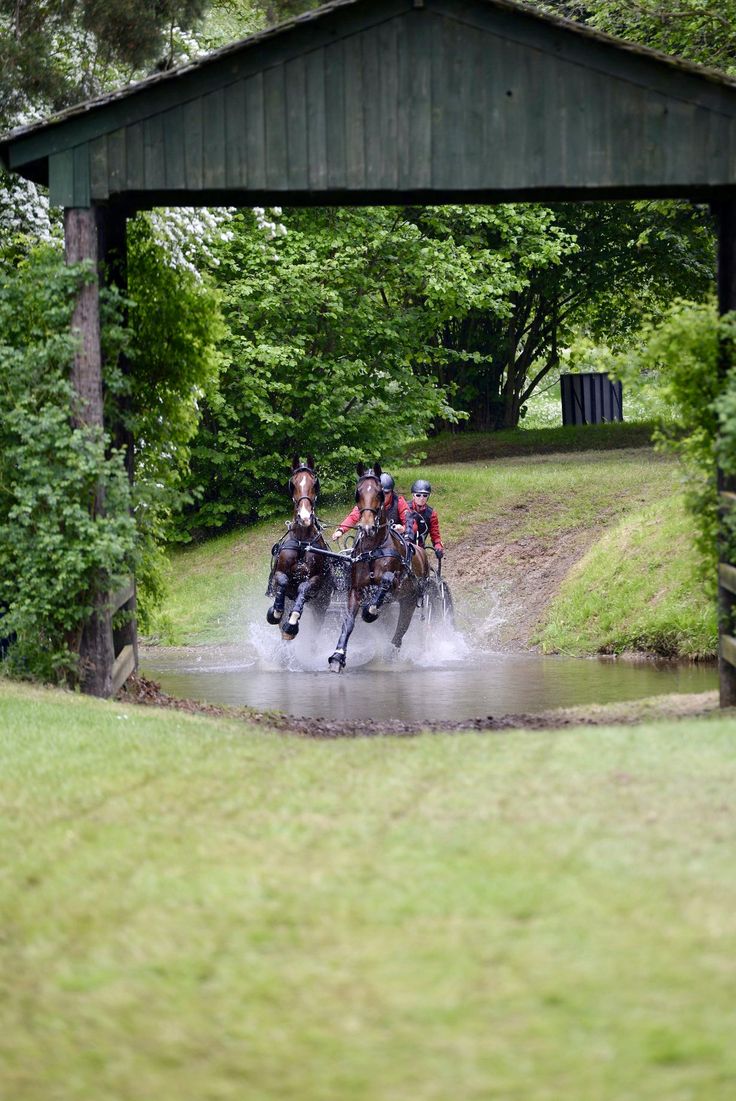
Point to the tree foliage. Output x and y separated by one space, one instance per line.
682 354
171 345
698 30
328 326
61 51
54 546
602 267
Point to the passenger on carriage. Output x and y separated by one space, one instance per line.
422 519
394 505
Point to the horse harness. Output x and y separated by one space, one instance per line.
302 546
386 552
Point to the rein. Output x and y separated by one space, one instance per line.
304 546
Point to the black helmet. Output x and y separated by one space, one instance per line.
421 486
387 483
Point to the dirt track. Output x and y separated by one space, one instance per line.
525 571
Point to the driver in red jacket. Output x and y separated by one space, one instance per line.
422 520
395 506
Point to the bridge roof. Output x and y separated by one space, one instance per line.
394 101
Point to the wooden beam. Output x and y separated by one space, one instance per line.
727 577
726 214
113 266
123 666
123 596
125 634
80 238
113 272
728 650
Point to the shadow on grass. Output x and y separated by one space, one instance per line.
468 447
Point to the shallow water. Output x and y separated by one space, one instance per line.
440 675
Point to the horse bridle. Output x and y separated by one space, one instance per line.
305 497
375 511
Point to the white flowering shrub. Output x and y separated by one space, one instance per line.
25 214
189 236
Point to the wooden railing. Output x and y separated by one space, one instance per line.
727 581
125 638
726 607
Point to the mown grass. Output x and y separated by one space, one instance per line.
195 909
638 588
542 496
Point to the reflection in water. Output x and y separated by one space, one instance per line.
438 675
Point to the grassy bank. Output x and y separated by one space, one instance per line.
191 908
462 447
544 497
637 588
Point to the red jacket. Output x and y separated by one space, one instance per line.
352 518
431 521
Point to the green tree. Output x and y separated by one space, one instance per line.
174 329
602 267
682 352
697 30
62 51
332 325
54 546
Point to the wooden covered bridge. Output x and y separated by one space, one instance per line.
391 102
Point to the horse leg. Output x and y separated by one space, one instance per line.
291 629
337 661
276 611
406 611
370 611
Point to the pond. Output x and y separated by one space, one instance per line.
440 675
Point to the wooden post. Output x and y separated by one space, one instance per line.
726 215
113 269
80 237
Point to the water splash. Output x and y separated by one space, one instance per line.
427 645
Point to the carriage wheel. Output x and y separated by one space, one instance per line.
448 608
440 609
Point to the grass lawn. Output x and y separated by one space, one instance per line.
196 909
541 496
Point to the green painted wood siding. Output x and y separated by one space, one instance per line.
449 99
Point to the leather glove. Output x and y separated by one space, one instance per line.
337 535
439 552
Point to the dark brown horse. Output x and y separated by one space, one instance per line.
300 571
383 567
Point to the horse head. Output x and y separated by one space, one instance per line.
304 489
369 497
